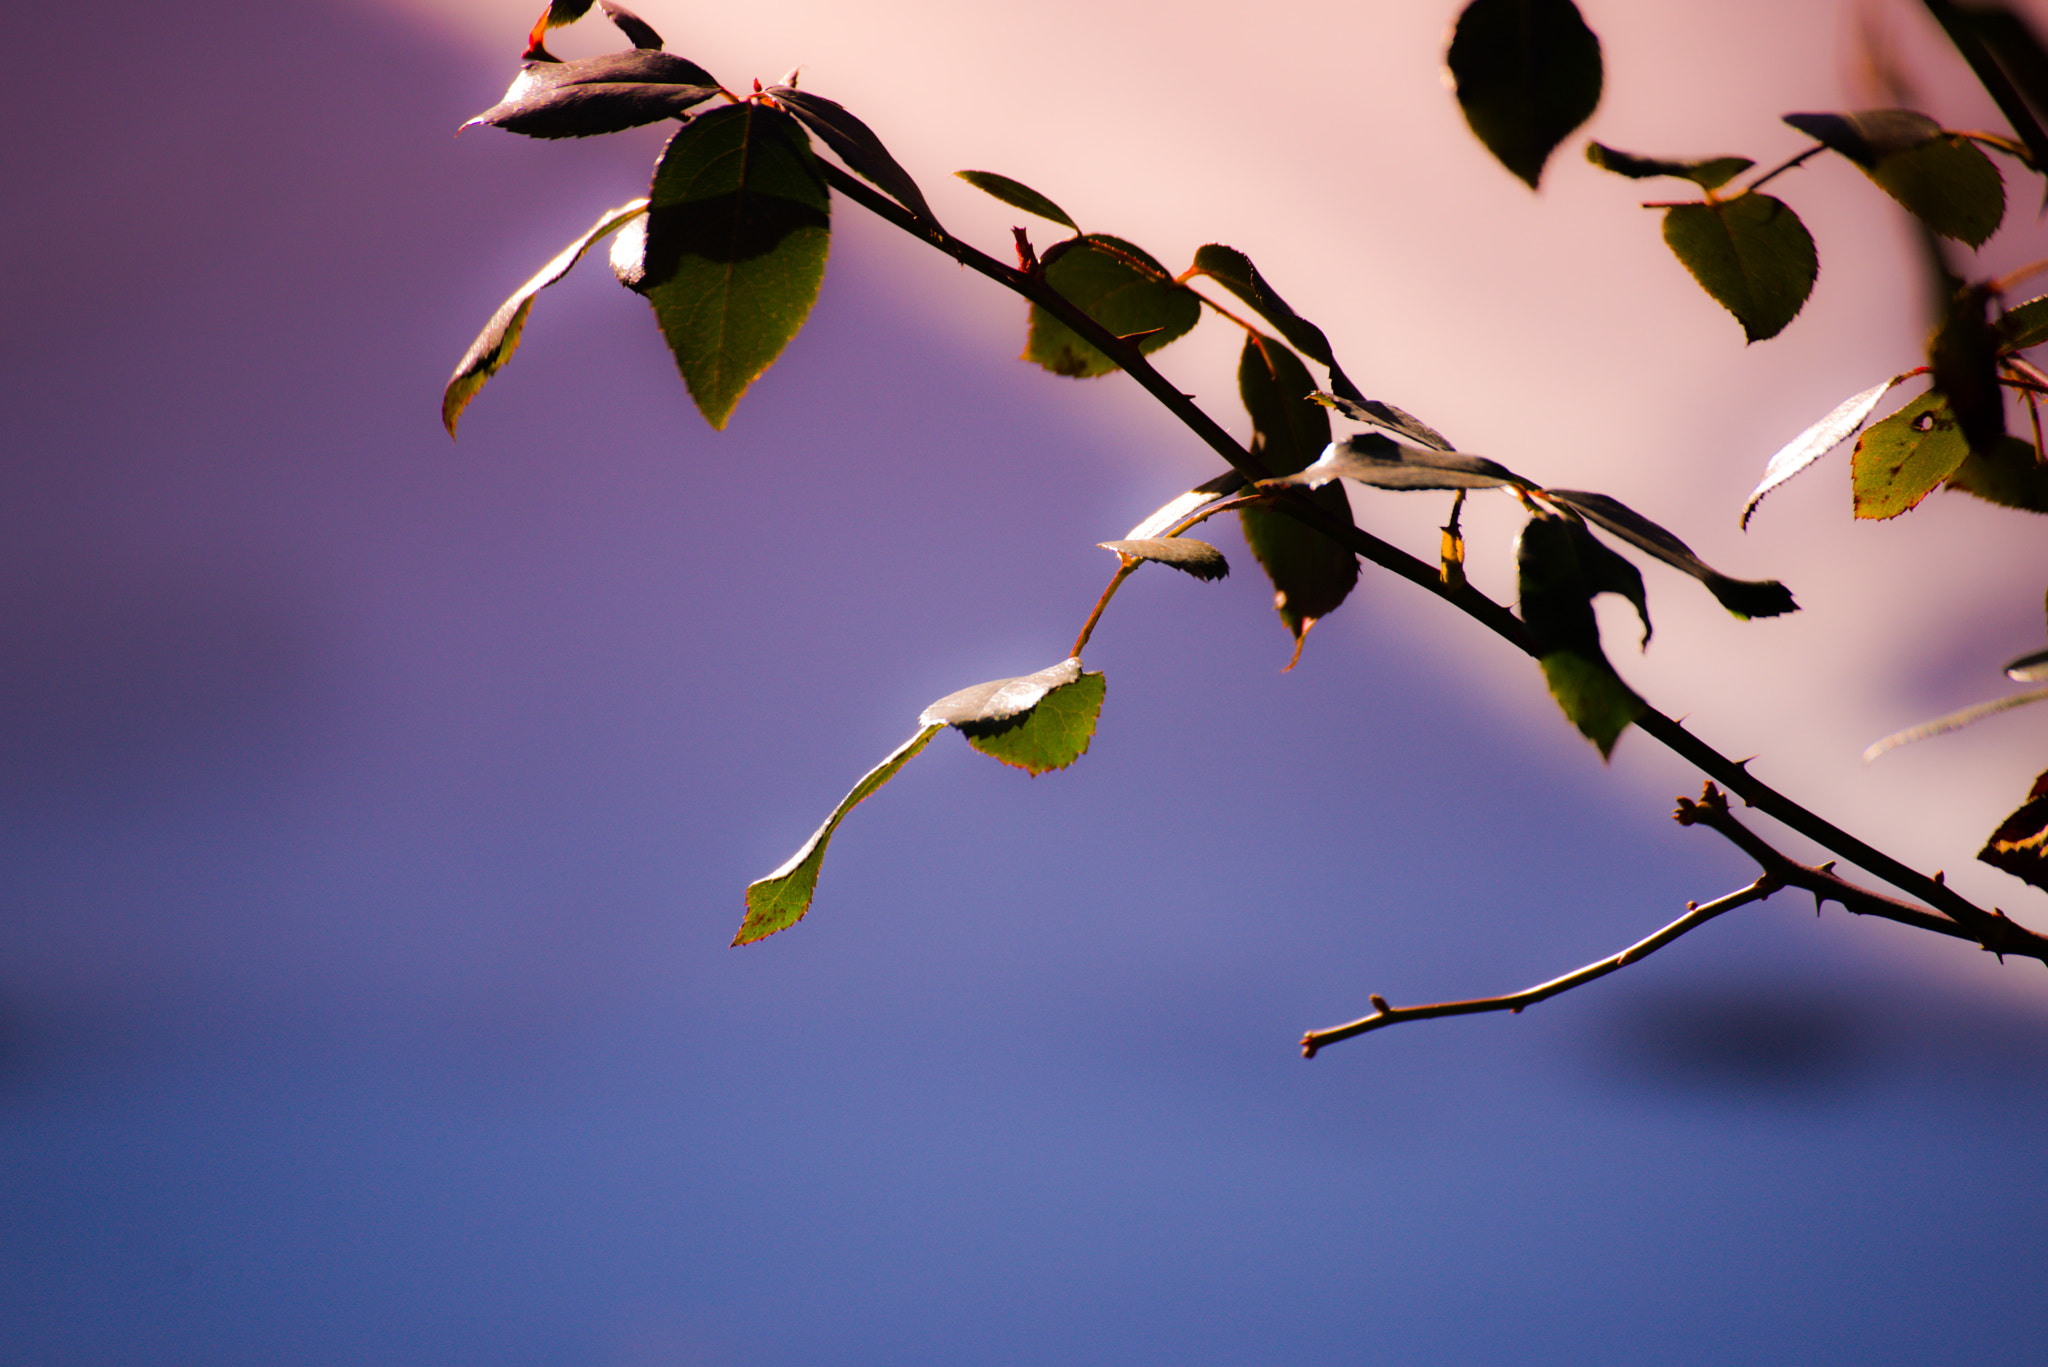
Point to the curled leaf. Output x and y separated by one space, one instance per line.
1527 72
494 346
1183 553
1225 484
1709 173
1743 597
1037 723
1816 441
1018 195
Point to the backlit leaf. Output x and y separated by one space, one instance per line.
856 145
1527 72
494 346
2020 844
1556 605
1816 441
1900 460
1018 196
734 248
1709 173
1751 253
2024 325
1183 553
1038 722
1119 286
1743 597
1942 179
1311 574
1181 506
781 899
1383 463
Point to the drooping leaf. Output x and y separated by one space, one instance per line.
1901 459
1233 270
734 248
1556 605
637 30
1377 414
1312 575
1383 463
856 145
1751 253
781 899
1954 721
2024 325
1184 553
2009 474
1161 521
2020 844
1816 441
1018 196
1037 723
1743 597
1527 73
1119 286
597 95
494 346
1964 359
1941 178
1606 570
1709 173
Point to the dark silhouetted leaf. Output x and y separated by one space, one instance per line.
1942 179
1184 553
1606 570
1377 414
2008 474
2024 325
2008 60
2020 844
856 145
598 95
1225 484
1964 359
1018 196
1382 463
500 338
1234 270
1119 286
1743 597
1527 73
1312 575
637 30
1751 253
1816 441
1556 605
781 899
1900 460
734 248
2029 668
1709 173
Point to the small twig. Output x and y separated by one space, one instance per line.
1696 915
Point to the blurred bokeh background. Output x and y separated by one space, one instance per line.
375 810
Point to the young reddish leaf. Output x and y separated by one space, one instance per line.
1751 253
1709 173
1527 73
1120 287
1018 196
1816 441
494 346
780 900
1312 575
734 248
1900 460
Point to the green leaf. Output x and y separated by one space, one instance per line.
734 249
1233 270
781 899
1816 441
1183 553
856 145
1709 173
1312 575
2020 844
1018 196
1743 597
1751 253
1382 463
1943 179
1527 73
494 346
2024 325
1900 460
1039 722
1556 605
2009 474
1119 286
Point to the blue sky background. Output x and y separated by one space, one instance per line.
375 814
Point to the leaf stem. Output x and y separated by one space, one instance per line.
1124 570
1777 171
